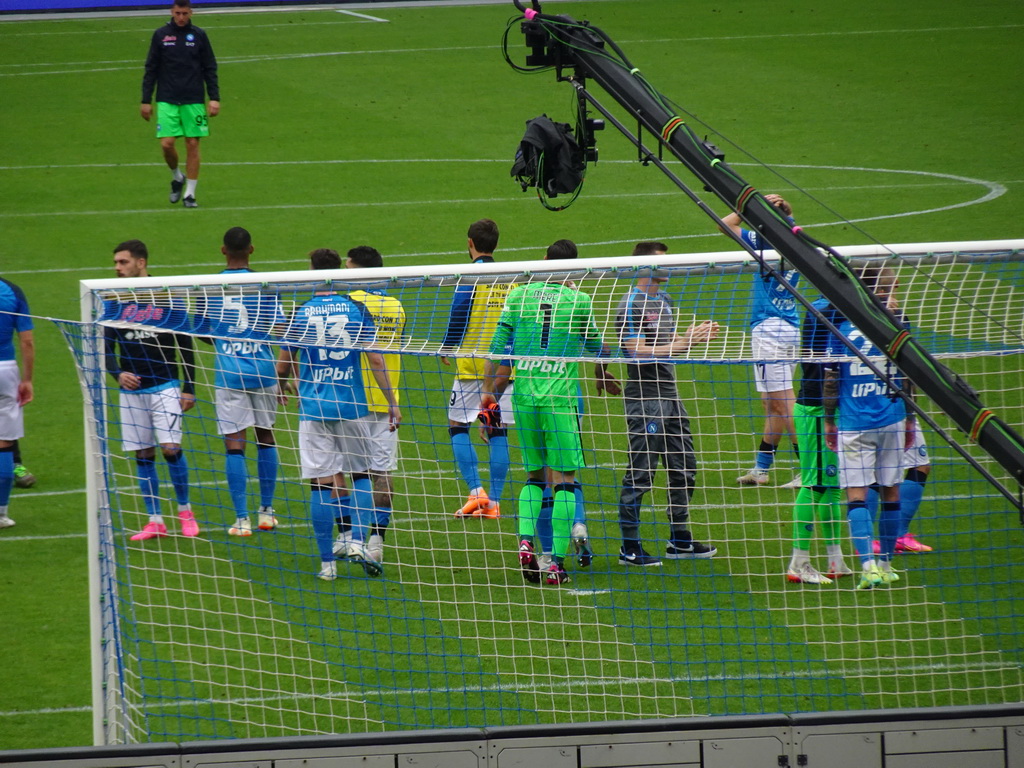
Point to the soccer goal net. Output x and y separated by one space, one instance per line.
229 632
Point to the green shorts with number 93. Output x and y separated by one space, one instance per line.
174 120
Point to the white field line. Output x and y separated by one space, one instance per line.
994 190
589 683
645 41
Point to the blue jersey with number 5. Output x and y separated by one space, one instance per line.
240 323
865 401
325 334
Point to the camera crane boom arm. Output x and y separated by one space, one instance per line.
570 44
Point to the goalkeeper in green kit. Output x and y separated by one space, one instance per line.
548 324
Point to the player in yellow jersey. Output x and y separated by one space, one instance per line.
389 318
474 314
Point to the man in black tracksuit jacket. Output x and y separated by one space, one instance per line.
180 63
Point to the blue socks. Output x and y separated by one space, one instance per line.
545 533
765 456
343 512
238 482
362 502
149 485
911 493
889 528
499 464
465 456
322 513
178 468
266 470
6 475
238 477
862 526
382 517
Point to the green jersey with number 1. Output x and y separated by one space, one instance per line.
552 323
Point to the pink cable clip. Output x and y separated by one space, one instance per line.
529 13
797 230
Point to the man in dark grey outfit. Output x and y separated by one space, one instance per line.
656 420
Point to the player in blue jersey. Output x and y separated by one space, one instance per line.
870 436
152 397
774 337
819 494
916 462
472 319
15 384
323 340
238 323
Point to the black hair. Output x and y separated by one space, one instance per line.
649 248
484 234
136 248
365 256
237 240
562 249
325 258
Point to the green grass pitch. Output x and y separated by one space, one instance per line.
396 127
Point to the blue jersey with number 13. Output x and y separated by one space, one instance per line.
324 334
865 401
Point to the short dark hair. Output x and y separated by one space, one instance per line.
325 258
365 256
183 3
562 249
136 248
484 234
237 240
649 248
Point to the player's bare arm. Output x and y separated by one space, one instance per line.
285 366
27 346
379 370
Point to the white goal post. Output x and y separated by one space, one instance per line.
221 637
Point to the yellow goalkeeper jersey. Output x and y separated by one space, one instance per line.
389 318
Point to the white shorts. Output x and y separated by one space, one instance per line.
329 447
464 403
873 456
771 340
383 443
12 420
917 454
149 419
239 409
